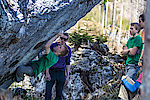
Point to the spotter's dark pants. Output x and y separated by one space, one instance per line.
57 76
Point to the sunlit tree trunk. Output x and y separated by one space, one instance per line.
106 15
146 83
99 13
114 19
131 16
120 29
103 20
137 8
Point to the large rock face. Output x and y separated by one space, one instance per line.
27 24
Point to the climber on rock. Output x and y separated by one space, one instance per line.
35 67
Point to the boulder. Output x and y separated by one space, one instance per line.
26 25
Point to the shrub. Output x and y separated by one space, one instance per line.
77 39
100 39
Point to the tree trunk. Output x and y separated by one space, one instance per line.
99 13
137 10
120 29
114 19
103 20
131 17
22 38
146 76
106 15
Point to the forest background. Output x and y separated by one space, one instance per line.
109 22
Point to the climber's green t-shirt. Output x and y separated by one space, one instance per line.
45 62
134 42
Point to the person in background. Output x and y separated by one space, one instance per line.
129 89
57 72
132 87
133 49
142 33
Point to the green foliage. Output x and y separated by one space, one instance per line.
86 38
100 39
78 39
